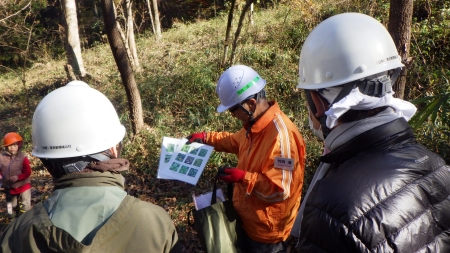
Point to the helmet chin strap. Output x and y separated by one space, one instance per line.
257 96
376 85
251 120
249 113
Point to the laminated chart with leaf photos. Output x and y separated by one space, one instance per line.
181 161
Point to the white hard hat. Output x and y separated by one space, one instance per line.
75 120
344 48
236 84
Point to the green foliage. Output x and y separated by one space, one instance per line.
433 106
428 77
24 31
436 137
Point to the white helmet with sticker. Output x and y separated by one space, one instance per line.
344 48
236 84
75 120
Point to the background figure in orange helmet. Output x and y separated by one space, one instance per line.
15 170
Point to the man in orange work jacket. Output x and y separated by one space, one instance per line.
269 174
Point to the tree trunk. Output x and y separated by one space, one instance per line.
123 36
239 27
130 35
95 8
157 22
250 15
226 43
24 80
124 66
400 18
151 17
73 49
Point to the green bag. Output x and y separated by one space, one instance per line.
218 226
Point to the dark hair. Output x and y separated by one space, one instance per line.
261 95
355 115
59 167
54 166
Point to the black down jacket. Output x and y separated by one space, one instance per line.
384 192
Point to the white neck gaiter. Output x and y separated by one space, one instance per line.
355 100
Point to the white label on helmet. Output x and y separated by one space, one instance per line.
56 147
284 163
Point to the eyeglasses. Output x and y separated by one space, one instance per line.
239 105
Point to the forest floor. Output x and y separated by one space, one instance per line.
142 186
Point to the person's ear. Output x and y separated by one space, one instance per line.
114 152
251 104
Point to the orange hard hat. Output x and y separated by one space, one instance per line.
11 138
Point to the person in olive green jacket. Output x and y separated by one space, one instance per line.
77 135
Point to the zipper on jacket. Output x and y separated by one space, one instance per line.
13 158
251 142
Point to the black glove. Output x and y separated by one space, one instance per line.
221 170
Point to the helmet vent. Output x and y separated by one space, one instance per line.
237 81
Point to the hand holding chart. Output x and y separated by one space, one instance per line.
181 161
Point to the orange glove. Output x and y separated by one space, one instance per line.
197 137
232 175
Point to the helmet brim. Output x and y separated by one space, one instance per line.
221 108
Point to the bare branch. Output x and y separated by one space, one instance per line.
10 16
10 69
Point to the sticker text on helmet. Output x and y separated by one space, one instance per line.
390 58
250 84
57 147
